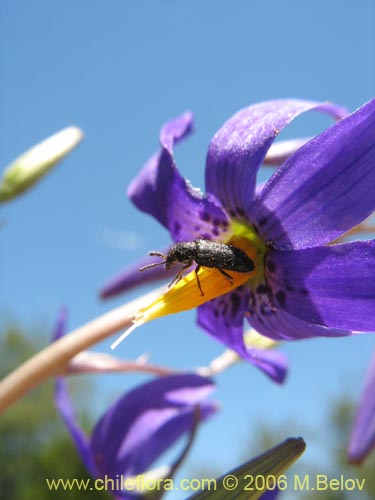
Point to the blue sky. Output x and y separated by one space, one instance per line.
119 69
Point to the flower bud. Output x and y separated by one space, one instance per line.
30 167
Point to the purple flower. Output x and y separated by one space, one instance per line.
362 440
303 285
138 427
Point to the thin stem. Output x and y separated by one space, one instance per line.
221 363
52 360
89 362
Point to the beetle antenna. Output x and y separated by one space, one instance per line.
156 254
154 264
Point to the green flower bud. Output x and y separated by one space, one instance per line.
30 167
263 473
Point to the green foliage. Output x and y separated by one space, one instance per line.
35 444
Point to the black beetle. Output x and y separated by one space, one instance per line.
205 253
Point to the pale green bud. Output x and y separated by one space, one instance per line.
30 167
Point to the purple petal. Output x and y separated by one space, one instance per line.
324 189
162 192
279 325
60 324
140 426
131 277
362 439
259 187
272 362
238 149
65 407
333 286
223 319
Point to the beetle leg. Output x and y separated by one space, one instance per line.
198 281
227 276
179 274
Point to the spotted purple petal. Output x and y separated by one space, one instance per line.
140 426
362 439
162 192
239 147
333 286
325 189
223 319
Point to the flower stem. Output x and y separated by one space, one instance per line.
52 360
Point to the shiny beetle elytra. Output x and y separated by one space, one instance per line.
204 253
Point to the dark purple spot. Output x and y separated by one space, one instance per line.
262 221
240 211
263 289
232 213
304 291
176 228
271 266
205 216
216 313
280 296
206 236
197 228
288 287
236 303
215 232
